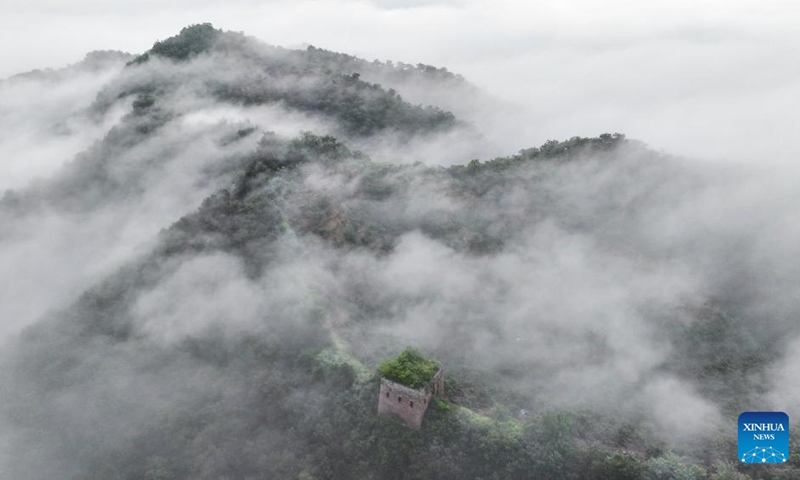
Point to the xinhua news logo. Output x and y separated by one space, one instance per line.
763 437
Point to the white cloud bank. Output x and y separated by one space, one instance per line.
711 78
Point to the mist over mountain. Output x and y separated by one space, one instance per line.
206 250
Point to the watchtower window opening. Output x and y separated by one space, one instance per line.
411 404
387 394
399 399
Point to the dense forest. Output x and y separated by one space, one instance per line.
255 253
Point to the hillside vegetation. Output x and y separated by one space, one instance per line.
410 368
246 336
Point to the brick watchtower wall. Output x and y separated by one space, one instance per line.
407 403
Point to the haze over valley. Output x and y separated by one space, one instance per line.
207 249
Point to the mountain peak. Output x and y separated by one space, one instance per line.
191 41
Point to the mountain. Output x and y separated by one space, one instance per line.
206 289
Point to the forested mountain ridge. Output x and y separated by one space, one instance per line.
311 80
277 263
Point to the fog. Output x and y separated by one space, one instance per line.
707 79
156 280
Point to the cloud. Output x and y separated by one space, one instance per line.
76 229
588 302
698 78
42 122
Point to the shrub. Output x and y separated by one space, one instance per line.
410 368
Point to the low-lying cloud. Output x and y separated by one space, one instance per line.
703 79
610 266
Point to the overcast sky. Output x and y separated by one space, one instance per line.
706 78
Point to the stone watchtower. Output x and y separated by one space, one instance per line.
408 385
